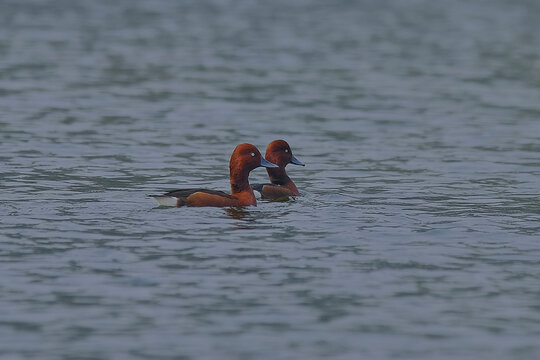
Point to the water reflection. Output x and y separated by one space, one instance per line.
239 214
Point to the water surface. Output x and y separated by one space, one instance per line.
417 233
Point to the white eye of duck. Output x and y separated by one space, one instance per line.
252 154
286 150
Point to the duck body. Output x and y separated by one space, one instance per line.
196 197
281 186
244 158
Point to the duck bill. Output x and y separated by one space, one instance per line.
267 163
295 161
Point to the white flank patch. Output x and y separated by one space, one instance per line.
257 194
166 200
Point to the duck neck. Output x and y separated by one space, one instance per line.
240 188
279 177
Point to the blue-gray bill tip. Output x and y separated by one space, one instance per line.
295 161
267 163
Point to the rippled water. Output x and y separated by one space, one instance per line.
416 237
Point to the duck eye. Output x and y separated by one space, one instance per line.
252 154
286 150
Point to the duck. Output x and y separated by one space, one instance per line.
244 159
281 186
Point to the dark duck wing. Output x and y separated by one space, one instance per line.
181 193
258 187
193 197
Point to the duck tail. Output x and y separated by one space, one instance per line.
164 200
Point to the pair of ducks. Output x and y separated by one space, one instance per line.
244 158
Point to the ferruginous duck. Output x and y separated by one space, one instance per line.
244 158
281 187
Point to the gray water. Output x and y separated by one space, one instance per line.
417 235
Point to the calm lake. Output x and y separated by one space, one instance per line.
418 232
